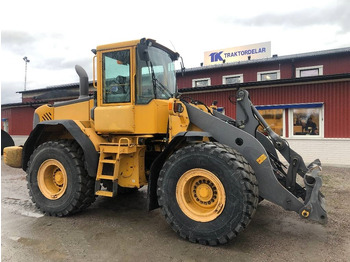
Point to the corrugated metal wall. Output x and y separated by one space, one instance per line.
334 95
20 120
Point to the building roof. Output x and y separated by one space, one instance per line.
23 104
274 58
55 87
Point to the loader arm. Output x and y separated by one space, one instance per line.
249 118
241 135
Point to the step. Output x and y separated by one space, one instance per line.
104 193
108 161
106 177
122 149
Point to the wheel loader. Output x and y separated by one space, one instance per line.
206 171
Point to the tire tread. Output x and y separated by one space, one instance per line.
248 180
84 194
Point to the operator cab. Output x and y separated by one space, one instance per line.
133 79
155 74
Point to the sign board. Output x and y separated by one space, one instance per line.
239 53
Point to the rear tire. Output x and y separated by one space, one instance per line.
57 180
208 193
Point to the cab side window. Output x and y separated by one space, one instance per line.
116 76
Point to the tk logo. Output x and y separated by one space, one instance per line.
216 56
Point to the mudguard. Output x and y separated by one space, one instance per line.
6 140
42 133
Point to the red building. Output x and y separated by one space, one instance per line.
17 118
287 90
304 98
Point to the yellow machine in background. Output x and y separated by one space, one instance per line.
205 170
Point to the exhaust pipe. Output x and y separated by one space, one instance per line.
83 81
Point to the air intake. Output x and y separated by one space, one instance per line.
83 81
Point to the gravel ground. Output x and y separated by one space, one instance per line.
121 229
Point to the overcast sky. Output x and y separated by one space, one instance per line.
57 35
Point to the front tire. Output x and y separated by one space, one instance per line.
208 193
57 180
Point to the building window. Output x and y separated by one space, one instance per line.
306 122
275 119
309 71
5 124
232 79
201 82
269 75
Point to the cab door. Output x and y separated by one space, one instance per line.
115 111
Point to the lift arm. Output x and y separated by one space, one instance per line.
241 135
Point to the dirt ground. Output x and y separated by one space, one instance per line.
121 229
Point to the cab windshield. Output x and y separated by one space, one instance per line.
155 77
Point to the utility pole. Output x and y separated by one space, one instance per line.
26 60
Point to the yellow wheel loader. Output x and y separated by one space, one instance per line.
206 171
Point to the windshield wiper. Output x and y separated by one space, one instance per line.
157 84
162 88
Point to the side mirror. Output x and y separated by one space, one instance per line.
182 66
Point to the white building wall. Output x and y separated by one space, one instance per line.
329 151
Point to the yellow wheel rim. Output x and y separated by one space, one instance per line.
52 179
200 195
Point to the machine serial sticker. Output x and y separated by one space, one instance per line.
261 159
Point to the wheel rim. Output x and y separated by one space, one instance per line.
200 195
52 179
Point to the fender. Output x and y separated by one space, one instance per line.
42 133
